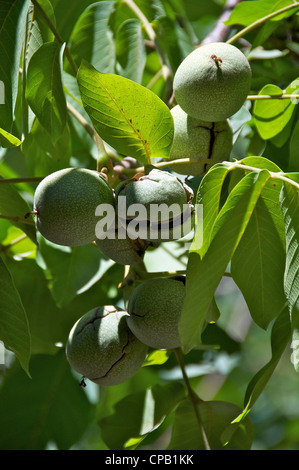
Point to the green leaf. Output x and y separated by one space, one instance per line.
128 116
204 273
166 30
17 245
140 413
37 31
46 328
73 270
258 262
130 50
53 325
290 208
14 328
13 205
43 155
12 28
43 27
156 357
246 13
8 140
44 90
216 418
50 408
280 337
209 196
271 116
66 17
92 37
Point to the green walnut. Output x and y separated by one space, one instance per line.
212 82
123 250
155 308
199 141
103 349
65 204
162 202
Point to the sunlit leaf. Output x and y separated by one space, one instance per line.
8 140
244 13
290 207
15 207
12 27
258 262
126 115
272 115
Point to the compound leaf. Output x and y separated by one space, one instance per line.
204 273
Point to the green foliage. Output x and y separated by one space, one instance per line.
12 20
136 415
44 91
141 122
271 117
31 408
216 416
14 323
84 84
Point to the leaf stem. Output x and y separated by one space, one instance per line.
274 175
259 22
57 35
192 396
272 97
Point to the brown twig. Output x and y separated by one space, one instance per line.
221 31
